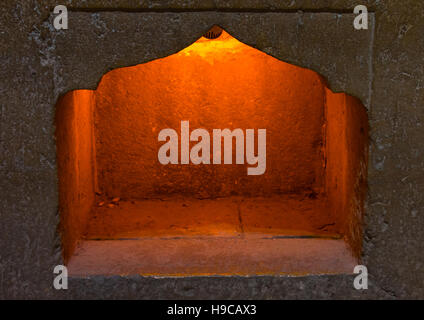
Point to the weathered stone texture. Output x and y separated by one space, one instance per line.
383 66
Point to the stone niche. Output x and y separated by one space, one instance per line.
123 212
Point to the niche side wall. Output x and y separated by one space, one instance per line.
346 164
76 165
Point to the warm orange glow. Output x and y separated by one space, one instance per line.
214 86
316 151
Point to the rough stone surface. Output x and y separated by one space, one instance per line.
238 96
383 66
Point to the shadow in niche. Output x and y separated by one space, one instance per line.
123 212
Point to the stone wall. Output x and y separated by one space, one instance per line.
383 67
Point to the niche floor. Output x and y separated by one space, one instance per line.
243 236
291 215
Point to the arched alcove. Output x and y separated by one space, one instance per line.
300 215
